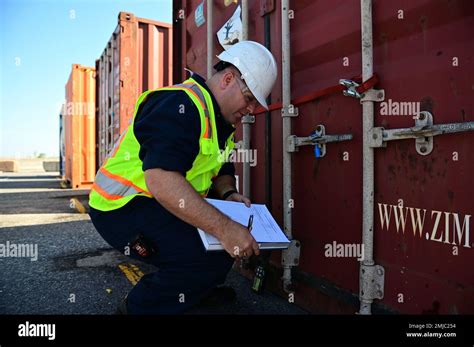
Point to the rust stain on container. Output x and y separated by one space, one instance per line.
78 116
138 57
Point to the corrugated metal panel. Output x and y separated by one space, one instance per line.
79 127
138 57
415 60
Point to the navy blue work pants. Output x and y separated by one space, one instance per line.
186 272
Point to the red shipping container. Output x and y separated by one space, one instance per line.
138 57
423 208
78 117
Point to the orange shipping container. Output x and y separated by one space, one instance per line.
138 57
79 127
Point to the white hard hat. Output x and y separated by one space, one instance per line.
256 65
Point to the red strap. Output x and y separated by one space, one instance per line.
370 83
323 92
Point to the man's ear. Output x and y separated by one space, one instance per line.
226 79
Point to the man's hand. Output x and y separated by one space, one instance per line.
175 194
239 198
238 241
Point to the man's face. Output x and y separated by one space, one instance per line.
235 99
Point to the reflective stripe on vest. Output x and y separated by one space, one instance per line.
115 187
198 93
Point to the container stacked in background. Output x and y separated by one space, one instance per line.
78 128
138 57
100 101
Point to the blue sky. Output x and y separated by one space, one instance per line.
39 41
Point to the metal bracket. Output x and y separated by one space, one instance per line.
292 143
317 138
375 95
372 278
266 6
247 119
289 111
424 145
376 138
351 88
291 255
423 133
239 144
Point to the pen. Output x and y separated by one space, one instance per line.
249 226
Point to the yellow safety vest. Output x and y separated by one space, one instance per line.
121 178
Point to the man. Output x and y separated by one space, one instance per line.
147 198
